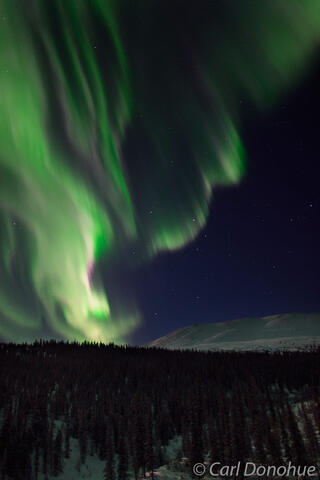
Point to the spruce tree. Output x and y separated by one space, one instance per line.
109 454
57 454
148 447
122 459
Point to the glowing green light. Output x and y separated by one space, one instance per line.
74 192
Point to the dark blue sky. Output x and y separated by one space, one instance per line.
259 253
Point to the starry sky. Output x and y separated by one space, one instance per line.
259 252
158 165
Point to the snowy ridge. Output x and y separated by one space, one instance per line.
287 332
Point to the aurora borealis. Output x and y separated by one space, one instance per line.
117 120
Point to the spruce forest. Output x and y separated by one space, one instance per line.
125 404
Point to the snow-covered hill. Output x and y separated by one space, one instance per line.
286 331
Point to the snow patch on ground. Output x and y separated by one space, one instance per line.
73 470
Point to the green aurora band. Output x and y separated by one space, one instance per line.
116 122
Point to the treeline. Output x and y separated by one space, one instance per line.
125 403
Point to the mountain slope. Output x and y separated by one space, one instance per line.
286 331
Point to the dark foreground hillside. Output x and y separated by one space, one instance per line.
125 405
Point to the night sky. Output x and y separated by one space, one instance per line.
259 253
158 165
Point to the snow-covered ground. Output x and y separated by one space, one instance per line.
93 467
72 470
